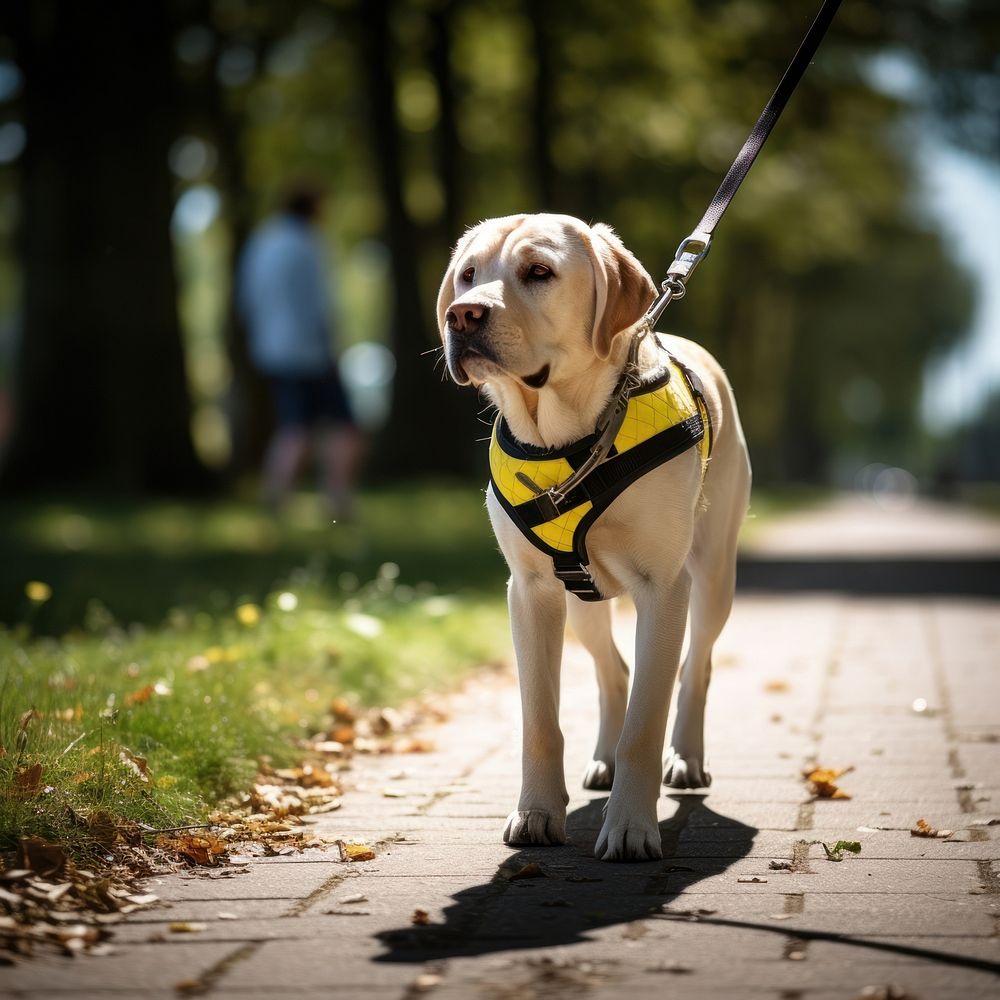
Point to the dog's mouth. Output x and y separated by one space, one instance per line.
537 380
461 358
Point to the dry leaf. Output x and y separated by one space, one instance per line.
414 745
355 852
203 849
187 927
341 710
28 780
777 687
821 781
143 694
924 829
420 917
137 765
40 856
531 870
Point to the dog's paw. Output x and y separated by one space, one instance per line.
629 841
534 826
599 775
685 772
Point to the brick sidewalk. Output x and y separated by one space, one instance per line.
798 680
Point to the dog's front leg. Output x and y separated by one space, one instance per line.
538 616
630 831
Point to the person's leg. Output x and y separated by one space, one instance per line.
342 451
343 446
289 443
284 458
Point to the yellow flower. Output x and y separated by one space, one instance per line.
37 591
248 614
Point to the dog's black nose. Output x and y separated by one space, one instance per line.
467 317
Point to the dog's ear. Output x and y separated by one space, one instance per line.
446 294
624 290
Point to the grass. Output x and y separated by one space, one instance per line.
152 653
165 648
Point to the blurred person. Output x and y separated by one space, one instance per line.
284 297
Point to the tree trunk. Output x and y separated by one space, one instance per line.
544 119
432 428
101 392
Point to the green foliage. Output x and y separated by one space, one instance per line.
826 291
249 629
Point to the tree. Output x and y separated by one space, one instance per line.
100 389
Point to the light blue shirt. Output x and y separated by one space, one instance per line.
282 295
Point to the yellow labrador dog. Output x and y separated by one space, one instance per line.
541 312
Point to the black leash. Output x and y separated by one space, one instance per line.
694 248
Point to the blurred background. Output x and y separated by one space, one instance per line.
851 293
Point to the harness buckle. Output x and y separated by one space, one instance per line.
577 580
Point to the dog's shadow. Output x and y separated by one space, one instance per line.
571 893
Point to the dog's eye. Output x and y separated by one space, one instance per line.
468 274
538 272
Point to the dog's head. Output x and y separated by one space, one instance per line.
537 299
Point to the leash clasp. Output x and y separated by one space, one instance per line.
691 251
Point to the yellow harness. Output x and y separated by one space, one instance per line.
665 417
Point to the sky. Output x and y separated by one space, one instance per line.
960 194
963 195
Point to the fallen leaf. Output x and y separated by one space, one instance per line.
186 927
780 865
201 849
924 829
776 687
821 781
358 897
143 694
341 710
28 780
136 764
530 870
42 857
420 917
189 986
226 915
678 968
835 852
355 852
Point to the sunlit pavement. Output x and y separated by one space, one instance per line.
904 690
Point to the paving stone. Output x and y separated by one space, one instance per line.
262 882
131 970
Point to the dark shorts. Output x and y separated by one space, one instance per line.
306 401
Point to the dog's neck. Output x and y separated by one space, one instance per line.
567 410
